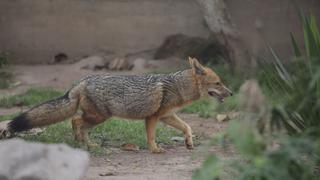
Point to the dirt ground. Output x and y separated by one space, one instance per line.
176 163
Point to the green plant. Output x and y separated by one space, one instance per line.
295 88
259 160
112 133
294 92
4 75
204 107
3 59
30 97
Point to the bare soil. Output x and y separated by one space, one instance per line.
176 163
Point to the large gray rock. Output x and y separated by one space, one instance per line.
20 160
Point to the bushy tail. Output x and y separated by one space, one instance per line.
49 112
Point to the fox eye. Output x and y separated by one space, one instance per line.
218 83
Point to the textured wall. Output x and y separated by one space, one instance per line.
275 19
33 31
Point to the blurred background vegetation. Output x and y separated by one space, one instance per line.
284 141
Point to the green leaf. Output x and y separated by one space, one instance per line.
211 169
296 48
315 31
310 39
283 73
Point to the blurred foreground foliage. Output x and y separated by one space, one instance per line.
288 144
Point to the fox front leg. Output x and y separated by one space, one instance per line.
150 124
174 121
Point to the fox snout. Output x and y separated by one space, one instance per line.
220 92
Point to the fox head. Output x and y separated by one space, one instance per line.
208 81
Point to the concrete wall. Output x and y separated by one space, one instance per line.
33 31
270 20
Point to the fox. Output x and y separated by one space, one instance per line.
149 97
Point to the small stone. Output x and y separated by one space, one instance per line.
222 117
177 139
129 147
107 174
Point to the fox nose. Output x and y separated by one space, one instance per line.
231 93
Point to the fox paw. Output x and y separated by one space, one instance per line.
157 150
189 145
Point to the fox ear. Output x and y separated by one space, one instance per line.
196 66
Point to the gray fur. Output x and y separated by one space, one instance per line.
137 96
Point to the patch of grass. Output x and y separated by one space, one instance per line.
203 107
5 78
207 108
113 132
31 97
230 104
116 132
8 117
3 59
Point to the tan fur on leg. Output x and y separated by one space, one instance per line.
179 124
81 130
77 126
151 130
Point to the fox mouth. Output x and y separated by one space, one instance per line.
216 95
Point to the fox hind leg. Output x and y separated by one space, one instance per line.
81 126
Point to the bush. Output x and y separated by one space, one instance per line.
294 92
3 59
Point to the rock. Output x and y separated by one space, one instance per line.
139 65
108 174
251 97
20 160
92 63
120 64
183 46
129 147
222 117
177 139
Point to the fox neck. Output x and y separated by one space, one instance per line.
187 87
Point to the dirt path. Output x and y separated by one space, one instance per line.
176 163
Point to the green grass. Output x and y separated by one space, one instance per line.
32 97
112 133
7 117
5 78
204 107
207 108
117 132
229 104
